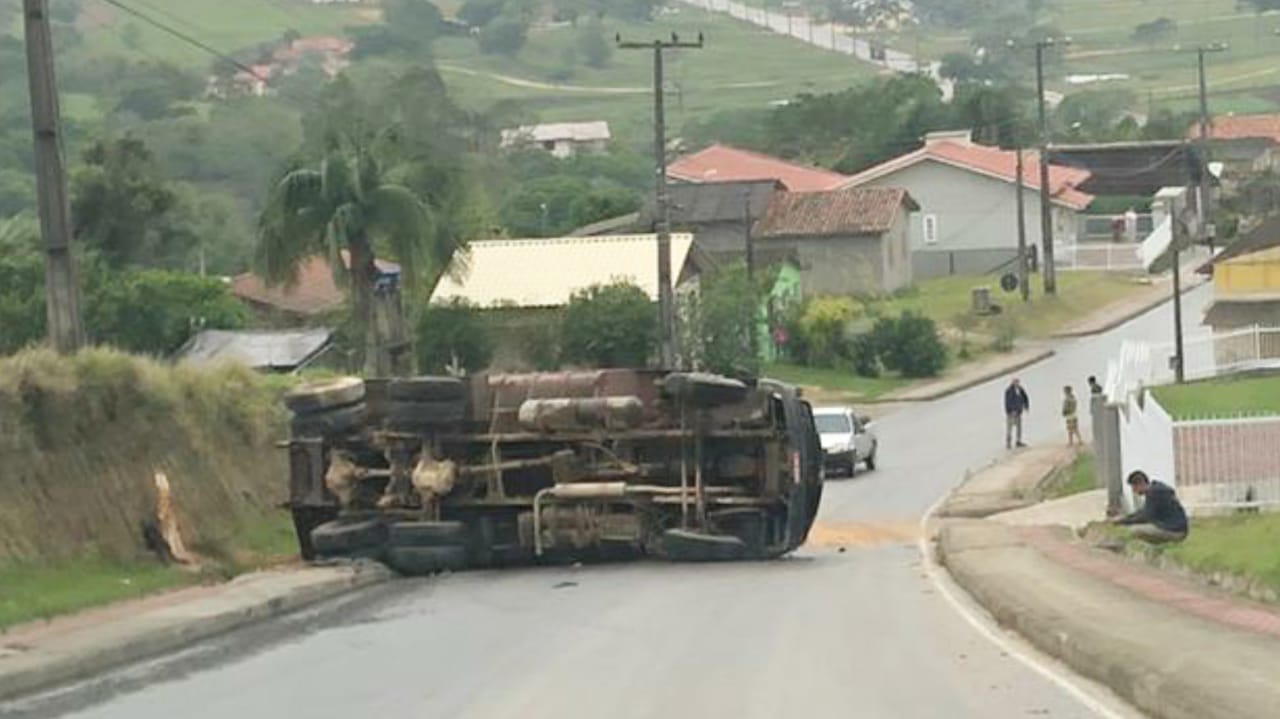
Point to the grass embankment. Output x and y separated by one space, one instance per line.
945 300
1228 397
81 439
1080 477
1242 545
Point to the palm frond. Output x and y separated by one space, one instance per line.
336 178
289 228
410 229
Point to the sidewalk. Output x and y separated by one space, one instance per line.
1116 314
971 375
41 655
1007 485
1174 649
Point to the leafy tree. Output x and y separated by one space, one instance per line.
1156 31
17 192
1260 6
556 204
613 325
120 203
478 13
595 47
22 317
505 35
156 311
726 315
452 333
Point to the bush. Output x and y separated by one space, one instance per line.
721 323
540 343
910 345
865 357
453 331
1006 335
595 47
823 329
613 325
504 36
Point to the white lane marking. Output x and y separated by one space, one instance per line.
1027 656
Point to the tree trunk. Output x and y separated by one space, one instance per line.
363 274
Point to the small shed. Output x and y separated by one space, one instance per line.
282 351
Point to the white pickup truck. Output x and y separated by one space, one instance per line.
847 440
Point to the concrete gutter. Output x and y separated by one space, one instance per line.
39 657
1012 484
1165 661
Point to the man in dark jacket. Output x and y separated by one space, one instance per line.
1016 402
1162 519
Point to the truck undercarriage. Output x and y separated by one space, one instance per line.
431 473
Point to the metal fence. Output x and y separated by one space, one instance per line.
1103 227
1213 355
1119 257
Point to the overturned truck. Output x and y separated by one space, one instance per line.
433 473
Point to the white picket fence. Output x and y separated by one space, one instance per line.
1216 462
1108 256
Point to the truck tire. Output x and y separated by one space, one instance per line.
411 416
683 545
332 423
305 521
321 396
700 389
426 389
346 537
419 561
428 534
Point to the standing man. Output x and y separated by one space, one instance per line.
1094 387
1070 413
1162 519
1016 402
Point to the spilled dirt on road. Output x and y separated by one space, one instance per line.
856 535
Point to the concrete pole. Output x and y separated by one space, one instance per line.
62 292
1046 207
1024 285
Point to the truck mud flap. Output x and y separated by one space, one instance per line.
683 545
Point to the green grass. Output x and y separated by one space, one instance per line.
1079 294
1244 545
1079 478
835 382
227 25
741 66
29 592
1221 398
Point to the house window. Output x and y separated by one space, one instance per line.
931 229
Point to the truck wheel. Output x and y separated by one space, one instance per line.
428 534
332 423
305 521
683 545
345 537
418 561
426 389
321 396
410 416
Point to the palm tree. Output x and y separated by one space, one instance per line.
349 206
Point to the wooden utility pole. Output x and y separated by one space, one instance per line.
751 271
1023 283
1202 187
666 295
1046 207
62 293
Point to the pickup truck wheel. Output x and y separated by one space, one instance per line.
321 396
345 537
683 545
418 561
412 416
426 389
305 521
428 534
331 423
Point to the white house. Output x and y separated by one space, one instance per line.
561 139
967 223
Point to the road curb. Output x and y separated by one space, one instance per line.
983 378
1156 683
1125 318
160 634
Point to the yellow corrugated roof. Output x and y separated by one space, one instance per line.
1266 256
545 272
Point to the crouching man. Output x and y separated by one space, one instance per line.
1161 520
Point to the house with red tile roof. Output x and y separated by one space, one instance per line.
311 296
1245 144
967 223
722 163
847 241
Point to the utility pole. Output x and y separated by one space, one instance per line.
1046 208
62 293
666 296
1202 187
1023 284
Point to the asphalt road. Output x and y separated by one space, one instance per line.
849 627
